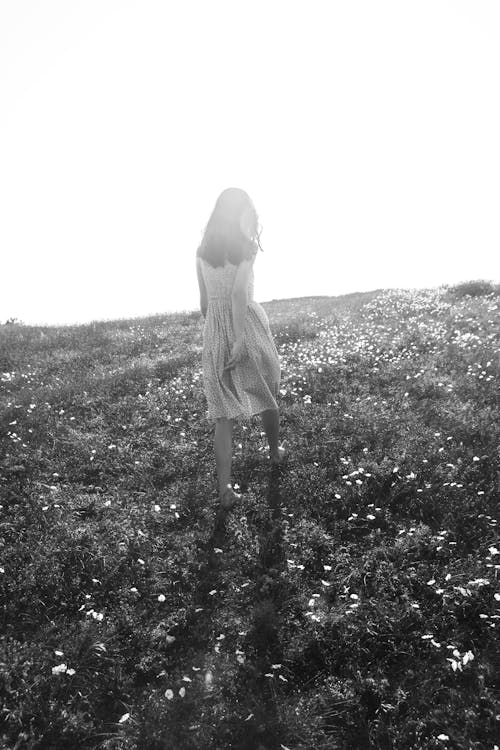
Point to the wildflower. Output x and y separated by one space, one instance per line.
59 669
161 598
123 718
169 694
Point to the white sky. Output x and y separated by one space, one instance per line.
367 134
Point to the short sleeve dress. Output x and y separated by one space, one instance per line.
252 385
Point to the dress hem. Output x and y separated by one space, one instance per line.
241 416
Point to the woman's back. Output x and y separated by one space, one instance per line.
219 280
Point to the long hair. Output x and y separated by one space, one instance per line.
232 231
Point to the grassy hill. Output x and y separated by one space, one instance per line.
350 601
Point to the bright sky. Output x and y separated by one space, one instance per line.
366 133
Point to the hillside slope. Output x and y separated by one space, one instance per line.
350 601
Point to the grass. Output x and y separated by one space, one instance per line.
350 601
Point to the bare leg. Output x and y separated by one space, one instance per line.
223 443
271 423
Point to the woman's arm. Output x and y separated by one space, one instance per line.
239 300
203 289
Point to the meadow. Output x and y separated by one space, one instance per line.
351 599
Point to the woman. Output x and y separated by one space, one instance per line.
241 366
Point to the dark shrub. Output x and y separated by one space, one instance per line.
476 288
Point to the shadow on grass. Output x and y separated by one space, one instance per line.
253 692
265 730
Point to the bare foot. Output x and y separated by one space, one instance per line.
229 498
283 451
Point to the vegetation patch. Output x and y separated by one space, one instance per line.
350 600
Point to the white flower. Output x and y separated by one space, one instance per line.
169 694
59 669
123 718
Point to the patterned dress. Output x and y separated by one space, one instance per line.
252 385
